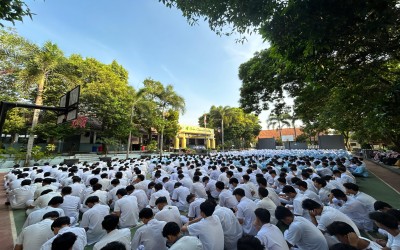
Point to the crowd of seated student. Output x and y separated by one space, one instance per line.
259 199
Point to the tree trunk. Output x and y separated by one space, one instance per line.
38 101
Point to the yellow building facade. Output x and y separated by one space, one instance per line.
193 133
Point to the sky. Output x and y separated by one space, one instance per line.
150 41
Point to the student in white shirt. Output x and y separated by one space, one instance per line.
34 236
70 205
64 241
194 206
62 225
389 223
352 208
179 196
140 195
230 225
345 234
208 230
226 199
327 215
367 200
126 209
245 211
166 212
37 216
149 235
210 187
267 203
297 199
198 188
159 192
19 197
110 224
176 240
269 235
92 218
301 232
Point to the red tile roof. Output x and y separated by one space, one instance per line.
274 133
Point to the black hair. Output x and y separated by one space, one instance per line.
66 190
233 180
263 192
337 193
385 219
220 185
239 191
130 188
378 205
339 228
301 184
263 215
122 192
351 186
146 213
158 186
249 242
161 199
26 182
97 186
92 199
52 214
110 222
207 208
261 181
56 200
309 204
282 213
189 197
64 241
288 189
114 245
93 181
171 228
60 221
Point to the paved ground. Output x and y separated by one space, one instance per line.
6 239
391 178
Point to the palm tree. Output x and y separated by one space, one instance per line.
222 114
293 119
278 121
166 99
39 68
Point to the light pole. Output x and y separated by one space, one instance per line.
128 147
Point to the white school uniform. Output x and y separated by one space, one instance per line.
246 208
121 235
230 225
226 199
272 238
169 214
305 235
209 231
128 207
194 208
149 235
199 190
34 236
92 220
80 241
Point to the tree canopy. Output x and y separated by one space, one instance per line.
339 60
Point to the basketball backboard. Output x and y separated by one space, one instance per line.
70 101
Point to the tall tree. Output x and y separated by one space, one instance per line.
165 99
13 10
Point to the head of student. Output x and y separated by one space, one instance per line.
341 231
110 222
239 194
91 201
161 202
312 206
206 209
289 191
171 232
121 193
284 215
249 242
59 223
114 245
64 241
381 206
262 217
146 214
385 221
